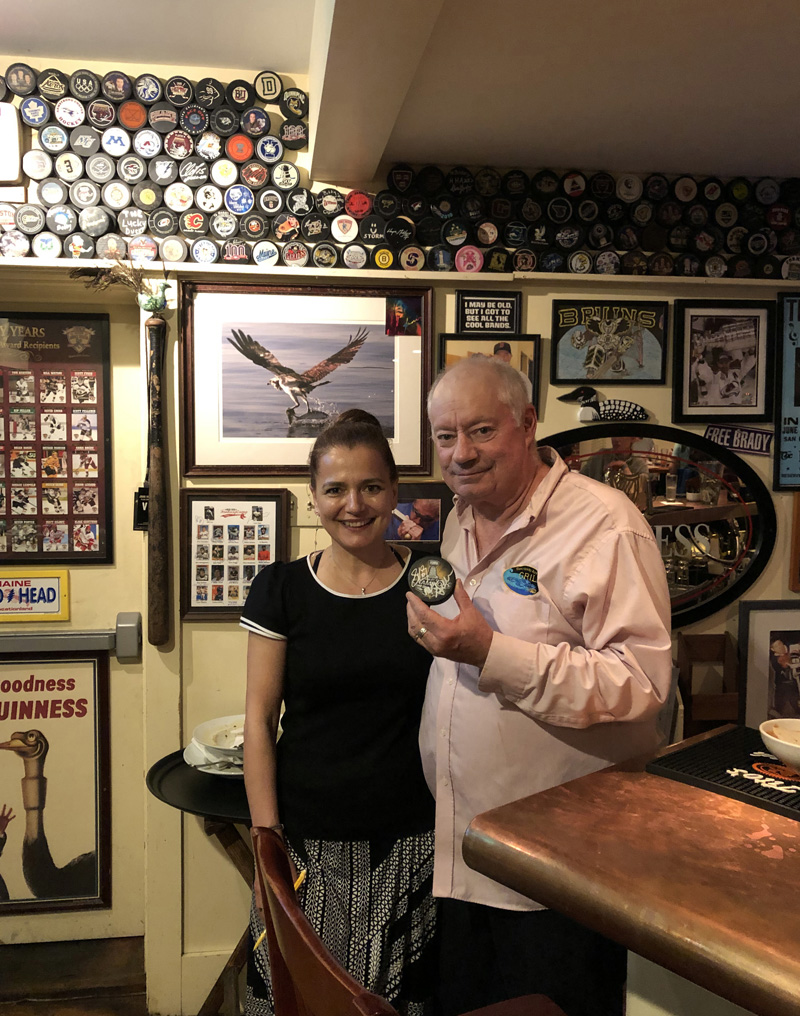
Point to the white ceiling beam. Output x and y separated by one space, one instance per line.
364 56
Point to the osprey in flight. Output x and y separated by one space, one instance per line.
297 386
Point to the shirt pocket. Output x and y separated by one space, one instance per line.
521 616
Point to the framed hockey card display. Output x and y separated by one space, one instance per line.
722 360
265 368
227 537
609 342
55 438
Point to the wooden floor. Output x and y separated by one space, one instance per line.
107 1005
102 977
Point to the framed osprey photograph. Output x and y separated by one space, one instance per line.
265 368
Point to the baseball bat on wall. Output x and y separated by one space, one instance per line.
158 608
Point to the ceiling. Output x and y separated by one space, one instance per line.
696 86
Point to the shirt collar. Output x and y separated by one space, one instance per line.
538 499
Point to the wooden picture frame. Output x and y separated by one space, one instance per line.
227 537
769 653
786 445
723 361
55 718
523 352
607 342
55 439
488 311
411 515
251 351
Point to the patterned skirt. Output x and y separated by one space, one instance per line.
371 904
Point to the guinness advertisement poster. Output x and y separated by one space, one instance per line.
54 783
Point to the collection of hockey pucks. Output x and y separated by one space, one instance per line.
179 170
146 169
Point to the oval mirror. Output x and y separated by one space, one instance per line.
711 513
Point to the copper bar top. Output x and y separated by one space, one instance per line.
706 886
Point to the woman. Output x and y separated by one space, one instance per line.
344 785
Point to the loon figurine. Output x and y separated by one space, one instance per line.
592 408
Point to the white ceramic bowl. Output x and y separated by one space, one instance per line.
782 738
223 735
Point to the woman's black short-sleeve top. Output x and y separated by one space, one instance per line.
348 764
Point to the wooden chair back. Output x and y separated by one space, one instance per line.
307 980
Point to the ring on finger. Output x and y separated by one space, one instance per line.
421 634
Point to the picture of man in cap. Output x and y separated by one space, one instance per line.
502 352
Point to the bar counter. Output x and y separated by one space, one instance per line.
701 884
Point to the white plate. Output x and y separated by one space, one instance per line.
224 734
194 756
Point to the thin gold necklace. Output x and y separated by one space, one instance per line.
362 588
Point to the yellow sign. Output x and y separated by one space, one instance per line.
34 596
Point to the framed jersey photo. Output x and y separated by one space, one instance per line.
227 538
55 439
723 360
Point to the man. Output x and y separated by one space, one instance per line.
502 352
620 456
551 661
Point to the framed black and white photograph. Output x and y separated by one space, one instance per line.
420 515
55 439
609 341
227 538
492 311
786 446
55 783
769 653
723 360
523 352
265 368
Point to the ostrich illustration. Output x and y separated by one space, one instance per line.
297 386
592 408
79 876
6 815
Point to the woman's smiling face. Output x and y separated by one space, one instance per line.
354 496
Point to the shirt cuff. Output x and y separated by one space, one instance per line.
506 670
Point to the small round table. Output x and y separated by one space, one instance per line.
221 802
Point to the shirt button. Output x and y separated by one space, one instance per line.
445 782
443 732
451 680
473 582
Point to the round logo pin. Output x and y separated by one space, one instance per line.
432 579
522 579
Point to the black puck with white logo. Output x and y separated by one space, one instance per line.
132 221
224 121
163 117
84 193
240 94
473 207
96 221
372 229
162 222
178 91
209 93
270 201
52 84
101 114
79 245
300 201
84 85
29 219
147 89
293 102
293 134
253 226
235 252
325 255
163 170
440 258
401 230
194 171
268 86
84 140
433 580
401 178
488 182
386 204
21 79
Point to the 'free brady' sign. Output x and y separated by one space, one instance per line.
750 440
